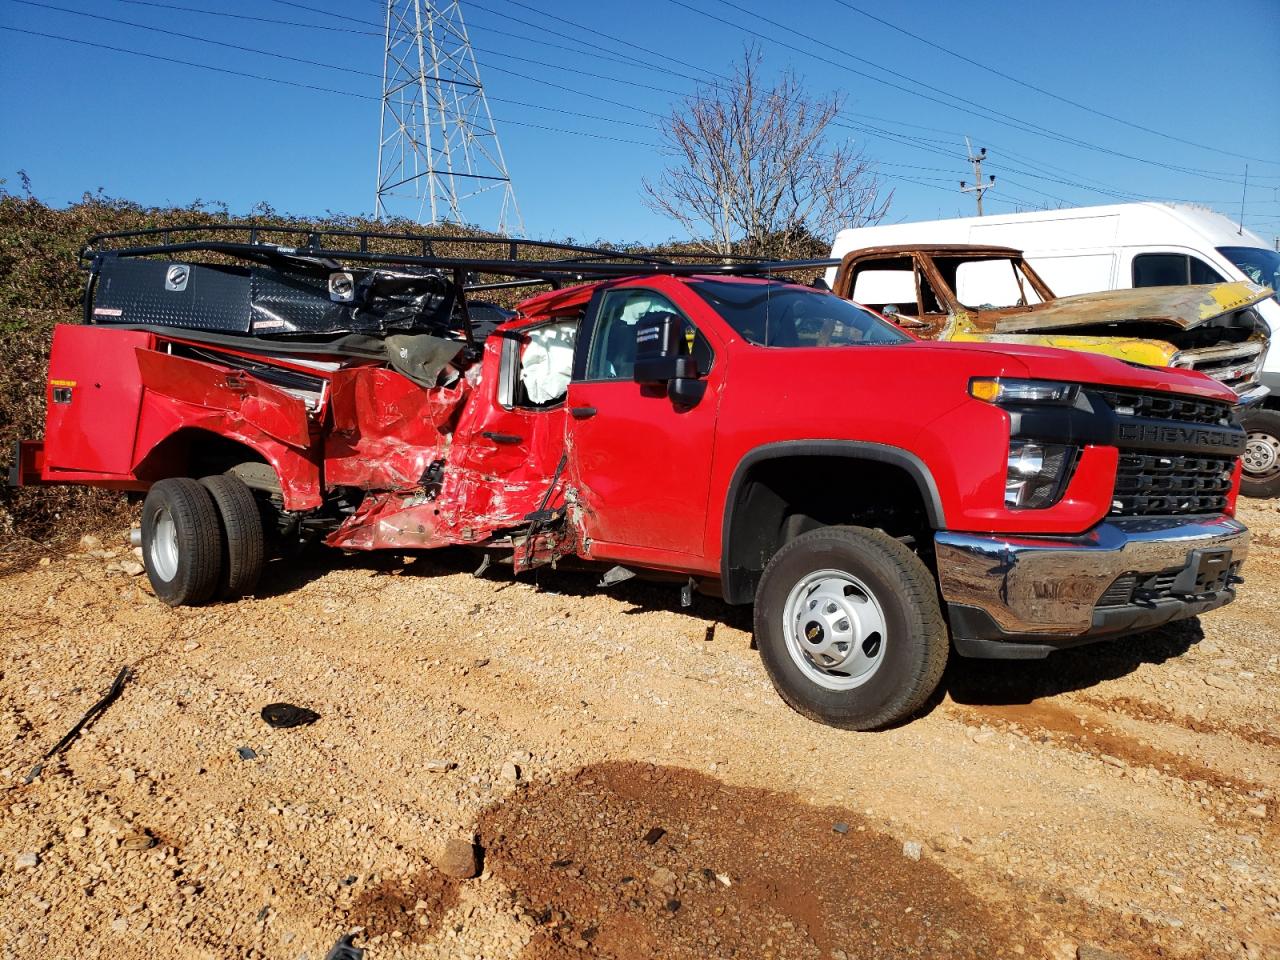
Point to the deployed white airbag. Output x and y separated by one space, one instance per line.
546 363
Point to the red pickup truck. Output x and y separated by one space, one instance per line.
880 500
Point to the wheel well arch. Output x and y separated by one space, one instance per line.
196 452
781 490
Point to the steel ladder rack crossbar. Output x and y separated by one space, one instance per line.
583 263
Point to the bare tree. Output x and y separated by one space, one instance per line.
752 171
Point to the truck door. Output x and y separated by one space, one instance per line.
640 463
511 437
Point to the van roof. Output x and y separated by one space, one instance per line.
1206 224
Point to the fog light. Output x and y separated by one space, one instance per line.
1036 473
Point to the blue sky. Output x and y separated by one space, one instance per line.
80 118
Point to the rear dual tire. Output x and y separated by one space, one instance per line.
201 539
849 628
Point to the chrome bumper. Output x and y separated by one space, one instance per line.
1011 588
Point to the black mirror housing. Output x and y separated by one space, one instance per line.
657 347
686 391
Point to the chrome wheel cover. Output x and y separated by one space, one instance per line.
1261 454
163 550
834 629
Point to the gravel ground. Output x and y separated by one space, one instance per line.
620 774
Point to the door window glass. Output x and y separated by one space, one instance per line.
1201 272
613 345
1171 270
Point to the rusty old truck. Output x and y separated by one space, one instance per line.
988 294
711 424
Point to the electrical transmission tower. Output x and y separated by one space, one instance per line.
438 153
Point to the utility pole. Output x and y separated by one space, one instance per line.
439 159
1244 192
978 188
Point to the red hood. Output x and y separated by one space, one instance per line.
1050 363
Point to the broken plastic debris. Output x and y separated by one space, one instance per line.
345 949
615 575
285 715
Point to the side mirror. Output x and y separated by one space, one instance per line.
657 347
658 358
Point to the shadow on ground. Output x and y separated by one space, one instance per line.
967 681
1007 682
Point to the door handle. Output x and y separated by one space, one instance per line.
582 413
506 438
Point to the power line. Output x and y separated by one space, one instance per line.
244 16
294 83
984 112
1042 90
916 142
188 63
199 39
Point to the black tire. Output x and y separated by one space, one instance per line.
243 543
1261 476
915 641
185 561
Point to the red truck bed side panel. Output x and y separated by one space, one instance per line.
93 397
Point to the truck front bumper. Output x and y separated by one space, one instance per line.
1023 597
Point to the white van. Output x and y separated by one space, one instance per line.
1112 247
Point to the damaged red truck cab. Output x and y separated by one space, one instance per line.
880 500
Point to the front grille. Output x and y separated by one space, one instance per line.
1236 366
1169 484
1167 406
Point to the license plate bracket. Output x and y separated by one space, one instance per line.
1206 571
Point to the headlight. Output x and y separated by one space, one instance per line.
1036 474
1000 390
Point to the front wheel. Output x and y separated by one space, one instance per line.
1260 477
849 628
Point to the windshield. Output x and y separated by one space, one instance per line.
773 314
1258 264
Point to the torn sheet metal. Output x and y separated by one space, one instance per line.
386 429
276 413
1184 307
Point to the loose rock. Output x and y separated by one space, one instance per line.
459 860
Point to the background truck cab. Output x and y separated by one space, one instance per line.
970 292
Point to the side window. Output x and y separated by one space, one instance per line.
1201 272
1171 270
537 366
886 285
613 345
1160 270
